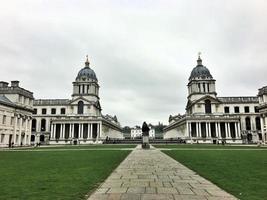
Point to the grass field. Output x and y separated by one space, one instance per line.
205 146
242 173
67 175
98 146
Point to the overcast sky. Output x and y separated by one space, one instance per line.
142 51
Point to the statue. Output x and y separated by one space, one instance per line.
145 134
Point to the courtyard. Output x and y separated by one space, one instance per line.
75 172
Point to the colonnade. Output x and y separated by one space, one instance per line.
214 130
76 130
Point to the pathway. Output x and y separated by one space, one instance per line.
152 175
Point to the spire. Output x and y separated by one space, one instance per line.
199 60
87 63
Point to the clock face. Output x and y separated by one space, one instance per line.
83 78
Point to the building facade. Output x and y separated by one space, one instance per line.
16 108
213 119
136 132
77 120
263 111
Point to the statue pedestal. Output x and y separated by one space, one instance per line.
145 143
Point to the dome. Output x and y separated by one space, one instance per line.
86 72
200 71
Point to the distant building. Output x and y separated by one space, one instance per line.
16 107
212 119
136 132
77 120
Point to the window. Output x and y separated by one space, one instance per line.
33 124
236 109
43 125
80 107
246 109
44 111
34 111
226 109
207 106
2 138
248 124
258 123
256 109
4 119
53 111
199 87
208 86
62 111
204 87
12 121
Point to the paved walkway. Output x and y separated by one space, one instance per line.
152 175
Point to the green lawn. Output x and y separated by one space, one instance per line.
242 173
205 146
55 174
93 146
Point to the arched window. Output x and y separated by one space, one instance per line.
248 124
80 107
258 123
207 106
33 124
199 87
43 124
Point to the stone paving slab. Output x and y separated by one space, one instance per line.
152 175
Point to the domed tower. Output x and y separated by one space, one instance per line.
86 84
201 82
85 97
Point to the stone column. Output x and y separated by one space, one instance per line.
30 131
262 129
97 130
26 131
236 130
88 131
15 128
81 131
20 126
91 131
61 131
216 129
207 130
51 131
219 130
197 129
229 130
226 130
71 130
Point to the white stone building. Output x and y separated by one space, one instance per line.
16 107
136 132
77 120
212 119
263 111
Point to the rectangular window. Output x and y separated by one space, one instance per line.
12 121
44 111
63 111
226 109
34 111
246 109
4 119
53 111
236 109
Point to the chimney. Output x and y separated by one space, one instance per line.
3 84
14 83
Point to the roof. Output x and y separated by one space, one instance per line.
249 99
263 90
200 71
6 101
48 102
